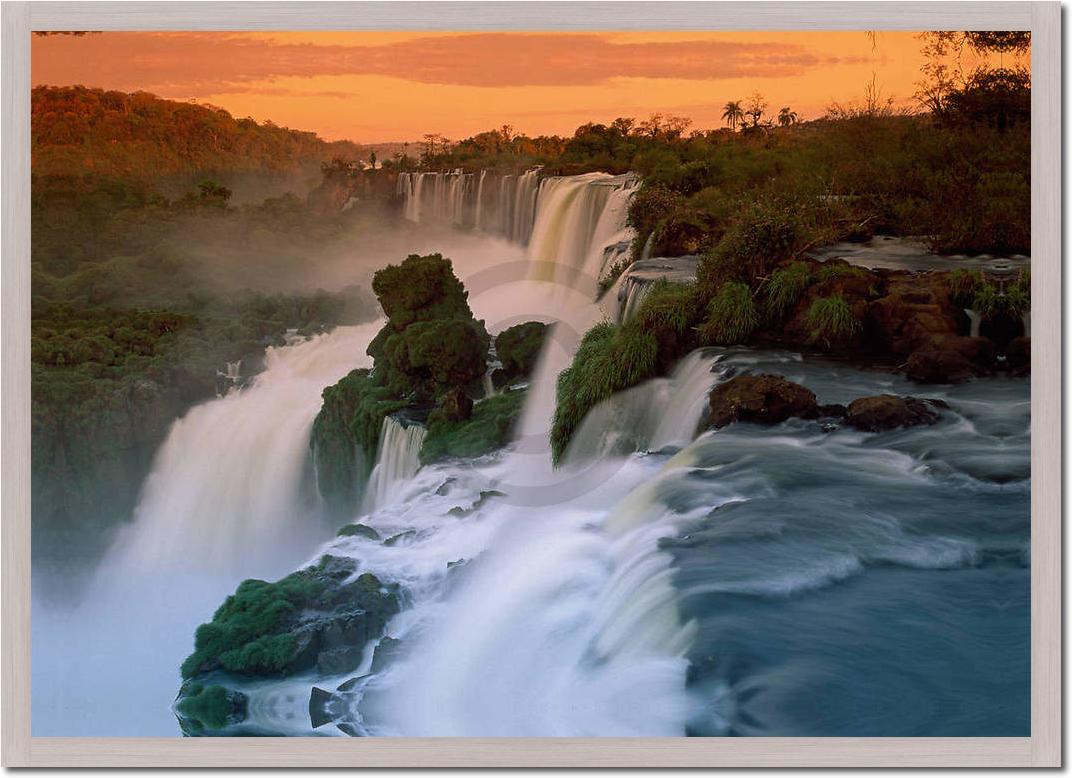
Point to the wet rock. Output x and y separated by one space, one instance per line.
1018 356
319 707
763 399
360 530
396 539
888 411
348 686
338 660
348 729
386 651
949 359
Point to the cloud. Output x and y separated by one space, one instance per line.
197 64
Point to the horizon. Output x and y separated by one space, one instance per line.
377 88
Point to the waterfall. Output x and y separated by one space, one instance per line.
228 488
577 217
976 320
397 461
478 221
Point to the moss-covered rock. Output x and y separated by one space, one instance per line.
358 530
610 358
490 427
294 624
345 435
203 708
519 348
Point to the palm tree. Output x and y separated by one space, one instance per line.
787 117
733 113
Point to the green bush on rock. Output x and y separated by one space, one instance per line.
610 358
785 287
489 428
283 627
832 321
731 315
518 348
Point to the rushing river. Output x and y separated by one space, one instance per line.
801 579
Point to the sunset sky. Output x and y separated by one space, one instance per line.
396 86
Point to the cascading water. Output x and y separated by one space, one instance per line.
397 461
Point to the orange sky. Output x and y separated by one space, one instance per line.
390 86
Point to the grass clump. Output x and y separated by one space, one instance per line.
668 306
1019 294
831 270
785 287
731 315
832 321
489 428
610 358
963 285
765 233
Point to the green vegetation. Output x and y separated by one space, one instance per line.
211 707
785 287
610 358
262 628
518 349
964 285
670 312
431 353
832 321
731 315
489 428
345 435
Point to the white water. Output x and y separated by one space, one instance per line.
230 496
397 461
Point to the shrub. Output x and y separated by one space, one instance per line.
731 315
430 358
610 358
489 428
1019 294
832 321
766 232
963 284
519 347
668 306
831 270
785 287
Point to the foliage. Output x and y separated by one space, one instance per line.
260 629
518 348
832 321
785 287
830 270
430 358
963 285
489 428
610 358
991 302
763 234
344 438
731 315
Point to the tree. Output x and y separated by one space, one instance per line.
787 117
372 159
733 114
757 105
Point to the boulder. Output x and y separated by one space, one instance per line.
763 399
1018 356
360 530
888 411
949 359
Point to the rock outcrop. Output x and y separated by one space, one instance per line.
888 411
763 399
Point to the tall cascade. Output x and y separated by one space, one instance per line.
397 461
229 491
528 208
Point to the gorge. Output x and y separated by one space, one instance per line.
750 580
